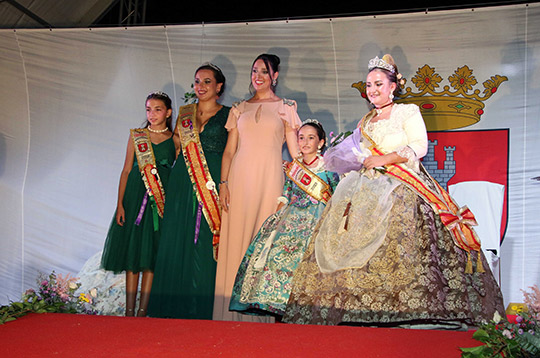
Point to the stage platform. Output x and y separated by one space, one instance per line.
68 335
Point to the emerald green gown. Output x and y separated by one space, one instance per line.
185 272
134 247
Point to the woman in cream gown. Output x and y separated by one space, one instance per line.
381 255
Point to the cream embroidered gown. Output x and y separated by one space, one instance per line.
397 264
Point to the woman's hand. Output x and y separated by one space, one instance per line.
120 215
224 196
374 161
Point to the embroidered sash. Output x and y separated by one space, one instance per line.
203 185
308 181
458 221
147 165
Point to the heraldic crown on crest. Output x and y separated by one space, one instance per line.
449 108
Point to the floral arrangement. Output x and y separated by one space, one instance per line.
510 338
339 138
190 97
55 293
347 152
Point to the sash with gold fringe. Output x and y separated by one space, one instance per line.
203 185
458 221
308 181
150 176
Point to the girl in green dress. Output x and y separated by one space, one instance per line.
132 240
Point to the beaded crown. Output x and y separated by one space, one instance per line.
210 64
158 93
380 63
310 120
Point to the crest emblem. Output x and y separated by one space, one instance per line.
186 123
143 147
451 108
305 179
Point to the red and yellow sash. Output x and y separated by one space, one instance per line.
308 181
458 221
147 165
203 185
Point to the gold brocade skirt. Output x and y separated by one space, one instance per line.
417 276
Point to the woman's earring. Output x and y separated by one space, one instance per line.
274 83
391 96
319 150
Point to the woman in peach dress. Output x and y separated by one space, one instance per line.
251 173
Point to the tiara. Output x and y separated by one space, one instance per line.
310 120
380 63
159 93
210 64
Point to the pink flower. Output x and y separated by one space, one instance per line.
532 299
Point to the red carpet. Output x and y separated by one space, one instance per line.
65 335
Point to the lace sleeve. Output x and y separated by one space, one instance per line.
408 153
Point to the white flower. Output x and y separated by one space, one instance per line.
496 317
93 292
73 285
210 185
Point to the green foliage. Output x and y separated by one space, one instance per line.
55 294
339 138
190 97
501 338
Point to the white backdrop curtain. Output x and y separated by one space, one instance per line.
69 97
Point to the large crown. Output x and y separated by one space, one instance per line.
446 109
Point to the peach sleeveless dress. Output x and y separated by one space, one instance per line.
255 182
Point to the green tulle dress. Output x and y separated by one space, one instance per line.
185 272
134 247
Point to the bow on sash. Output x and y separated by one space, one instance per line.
463 216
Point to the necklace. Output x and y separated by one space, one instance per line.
157 130
379 110
313 161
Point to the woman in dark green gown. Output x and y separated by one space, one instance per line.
185 270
